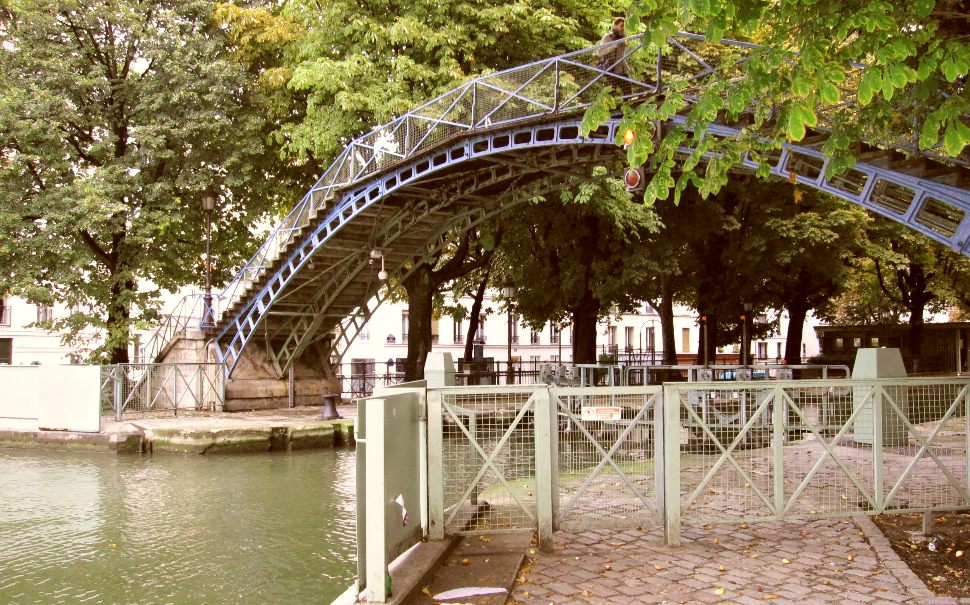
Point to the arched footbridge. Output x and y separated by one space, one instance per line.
393 195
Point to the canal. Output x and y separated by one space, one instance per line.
100 528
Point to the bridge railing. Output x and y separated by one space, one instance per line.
189 312
565 83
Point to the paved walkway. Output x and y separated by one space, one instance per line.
822 561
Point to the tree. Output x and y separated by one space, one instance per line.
356 65
911 272
424 284
575 257
114 118
809 258
911 86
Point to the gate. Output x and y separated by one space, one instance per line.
490 472
607 464
812 449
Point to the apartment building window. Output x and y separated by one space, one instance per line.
685 339
778 350
628 335
534 337
554 333
762 350
435 331
515 329
405 326
4 312
6 351
611 336
457 332
365 333
45 313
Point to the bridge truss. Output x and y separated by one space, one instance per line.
473 153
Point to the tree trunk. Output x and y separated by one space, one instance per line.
915 336
420 291
119 315
584 329
667 323
473 320
793 339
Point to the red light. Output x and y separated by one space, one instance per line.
628 136
632 178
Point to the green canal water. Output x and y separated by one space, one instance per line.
100 528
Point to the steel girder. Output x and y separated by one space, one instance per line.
434 188
494 164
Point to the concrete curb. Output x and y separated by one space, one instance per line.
896 566
193 435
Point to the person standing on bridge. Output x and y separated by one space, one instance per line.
613 58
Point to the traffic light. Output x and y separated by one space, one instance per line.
634 179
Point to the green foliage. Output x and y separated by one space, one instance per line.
114 117
356 65
865 71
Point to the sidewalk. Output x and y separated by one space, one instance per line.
200 432
827 561
846 561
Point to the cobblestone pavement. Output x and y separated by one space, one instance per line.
821 561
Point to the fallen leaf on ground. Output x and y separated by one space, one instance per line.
718 591
426 591
785 561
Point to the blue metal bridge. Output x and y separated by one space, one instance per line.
395 194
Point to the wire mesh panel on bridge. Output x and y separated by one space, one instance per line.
606 470
488 459
161 387
812 449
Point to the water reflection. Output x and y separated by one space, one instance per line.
170 529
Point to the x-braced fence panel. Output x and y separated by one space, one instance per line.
811 449
488 459
607 465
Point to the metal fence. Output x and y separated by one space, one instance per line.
812 449
696 453
139 388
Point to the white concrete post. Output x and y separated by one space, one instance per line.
544 471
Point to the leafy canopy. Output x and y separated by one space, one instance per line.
889 72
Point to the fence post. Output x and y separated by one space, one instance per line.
375 507
118 392
659 451
671 462
778 417
544 470
877 430
436 490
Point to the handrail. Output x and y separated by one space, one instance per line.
190 311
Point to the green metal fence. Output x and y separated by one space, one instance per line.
139 388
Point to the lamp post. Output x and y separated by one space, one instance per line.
208 205
559 339
704 339
508 292
745 345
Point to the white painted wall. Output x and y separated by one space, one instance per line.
59 398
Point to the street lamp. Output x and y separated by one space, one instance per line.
508 292
208 205
704 343
559 339
745 345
